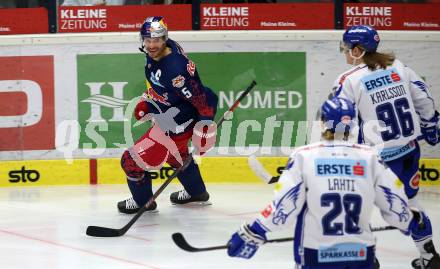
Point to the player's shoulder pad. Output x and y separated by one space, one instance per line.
175 47
401 66
364 147
293 157
398 63
177 51
349 73
179 63
306 148
183 66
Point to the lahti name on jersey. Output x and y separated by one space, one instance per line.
340 172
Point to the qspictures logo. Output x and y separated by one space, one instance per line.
27 120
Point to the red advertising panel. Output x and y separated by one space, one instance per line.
23 21
27 120
394 16
121 18
267 16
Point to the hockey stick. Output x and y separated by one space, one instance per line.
383 228
181 242
260 171
98 231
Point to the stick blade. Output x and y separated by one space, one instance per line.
97 231
180 241
258 169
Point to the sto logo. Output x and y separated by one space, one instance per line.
429 173
23 175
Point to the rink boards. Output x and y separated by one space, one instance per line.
108 171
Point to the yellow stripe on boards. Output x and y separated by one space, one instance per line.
44 173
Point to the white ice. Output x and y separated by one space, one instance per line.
44 227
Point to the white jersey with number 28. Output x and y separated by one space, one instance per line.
329 190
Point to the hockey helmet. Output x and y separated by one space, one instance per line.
363 35
337 114
154 27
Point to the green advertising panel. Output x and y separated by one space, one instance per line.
268 117
106 85
275 106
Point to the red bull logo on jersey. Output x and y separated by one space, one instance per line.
343 252
153 95
340 167
381 79
178 81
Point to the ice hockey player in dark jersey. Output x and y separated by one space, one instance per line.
181 108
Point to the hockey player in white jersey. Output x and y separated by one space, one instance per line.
392 98
327 191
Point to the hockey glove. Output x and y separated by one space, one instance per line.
430 130
420 227
204 135
141 108
245 242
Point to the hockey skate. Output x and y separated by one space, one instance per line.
129 206
182 198
422 263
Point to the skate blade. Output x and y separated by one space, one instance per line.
146 212
151 211
194 204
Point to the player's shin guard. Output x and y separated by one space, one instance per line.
141 189
139 183
191 179
195 190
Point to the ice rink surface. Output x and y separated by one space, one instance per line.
44 227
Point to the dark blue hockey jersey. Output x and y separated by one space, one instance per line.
174 86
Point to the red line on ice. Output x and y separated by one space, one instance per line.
77 249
